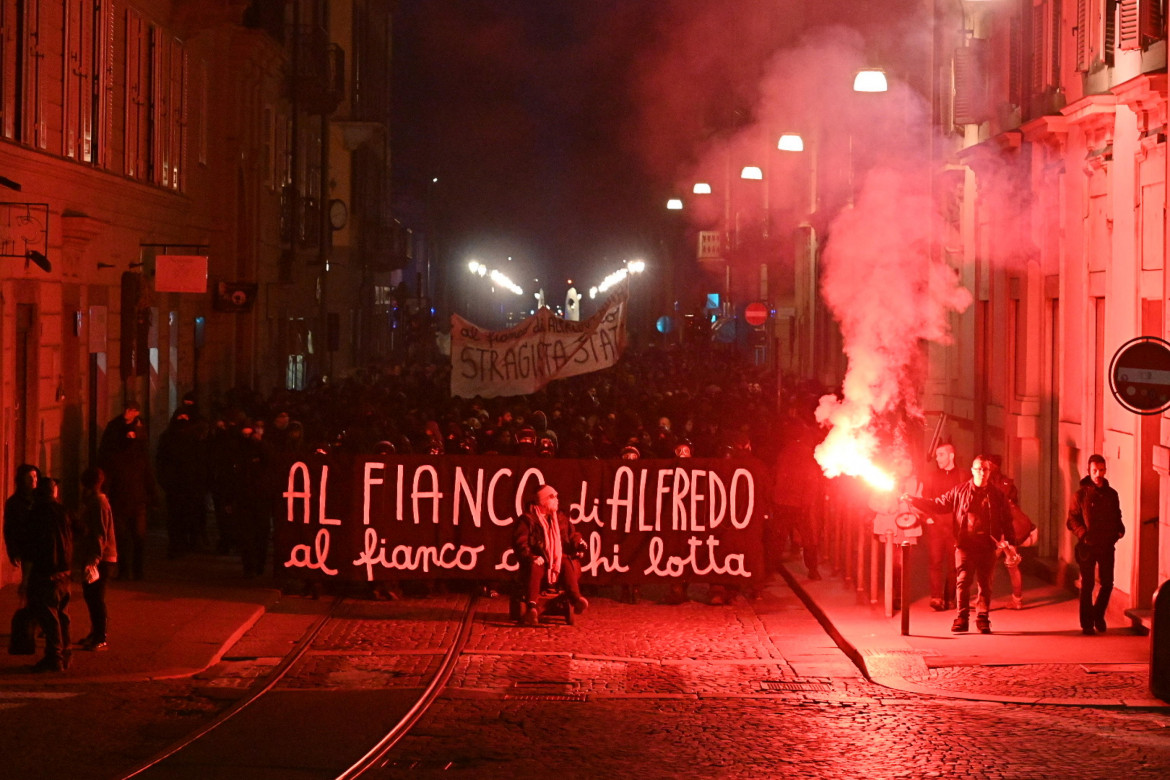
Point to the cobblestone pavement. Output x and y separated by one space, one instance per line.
1079 682
698 691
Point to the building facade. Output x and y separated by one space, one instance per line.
1053 115
193 196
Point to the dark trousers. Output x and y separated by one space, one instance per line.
48 600
534 578
185 521
254 533
940 544
130 531
94 594
973 564
1098 566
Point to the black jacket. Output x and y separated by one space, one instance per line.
981 515
50 542
1094 514
528 538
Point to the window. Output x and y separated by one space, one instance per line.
21 80
87 77
137 95
156 103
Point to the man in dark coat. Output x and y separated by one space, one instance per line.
181 460
130 487
49 556
982 520
1094 515
547 546
17 510
940 536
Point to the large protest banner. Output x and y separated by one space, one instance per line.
372 518
544 347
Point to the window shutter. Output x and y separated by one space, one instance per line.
178 126
1083 35
34 131
1054 77
104 85
1151 24
1015 64
1127 25
1036 81
136 98
160 106
70 100
970 89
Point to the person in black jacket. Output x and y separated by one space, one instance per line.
130 487
17 510
49 555
982 521
547 546
939 537
1094 515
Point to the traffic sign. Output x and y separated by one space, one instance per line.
1139 375
756 314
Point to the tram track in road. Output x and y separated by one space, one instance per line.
316 730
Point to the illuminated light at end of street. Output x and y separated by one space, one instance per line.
870 80
637 266
674 204
592 293
702 188
791 142
752 172
503 281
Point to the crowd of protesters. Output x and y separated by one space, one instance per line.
653 404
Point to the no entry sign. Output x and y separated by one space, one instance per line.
1140 375
756 314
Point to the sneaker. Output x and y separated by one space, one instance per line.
531 617
938 605
1088 631
1099 624
1017 602
93 644
983 624
580 605
960 625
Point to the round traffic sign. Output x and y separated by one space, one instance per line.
1139 375
755 314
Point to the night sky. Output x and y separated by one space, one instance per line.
559 129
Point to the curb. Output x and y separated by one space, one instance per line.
898 683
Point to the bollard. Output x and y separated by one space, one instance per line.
1160 644
905 589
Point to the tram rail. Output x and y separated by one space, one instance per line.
375 755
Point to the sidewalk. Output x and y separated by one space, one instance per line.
175 623
1036 655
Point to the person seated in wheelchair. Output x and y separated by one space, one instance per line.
549 550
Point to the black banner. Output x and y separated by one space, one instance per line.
370 518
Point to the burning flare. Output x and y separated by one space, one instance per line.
849 447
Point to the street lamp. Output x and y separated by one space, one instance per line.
674 204
702 188
870 80
790 142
